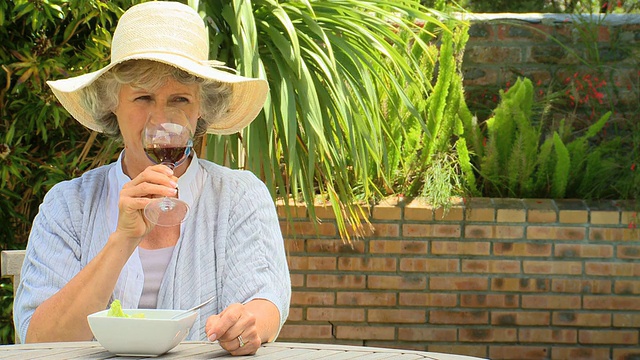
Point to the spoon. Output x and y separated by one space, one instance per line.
181 314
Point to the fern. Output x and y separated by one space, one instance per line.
561 173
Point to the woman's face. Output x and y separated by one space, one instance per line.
135 104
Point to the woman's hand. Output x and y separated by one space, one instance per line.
154 181
235 329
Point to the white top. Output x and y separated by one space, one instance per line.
190 185
230 246
154 265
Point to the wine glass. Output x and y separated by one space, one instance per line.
167 139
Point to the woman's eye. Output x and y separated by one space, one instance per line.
144 98
181 99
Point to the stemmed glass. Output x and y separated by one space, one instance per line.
167 139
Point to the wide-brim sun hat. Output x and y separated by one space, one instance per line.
174 34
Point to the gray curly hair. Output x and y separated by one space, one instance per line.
100 98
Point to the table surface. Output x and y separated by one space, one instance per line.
207 350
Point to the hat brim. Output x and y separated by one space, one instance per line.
248 95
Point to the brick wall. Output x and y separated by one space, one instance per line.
548 48
496 278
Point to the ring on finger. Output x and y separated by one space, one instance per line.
241 341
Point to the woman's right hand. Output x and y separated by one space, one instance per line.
154 181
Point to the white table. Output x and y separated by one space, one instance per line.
207 350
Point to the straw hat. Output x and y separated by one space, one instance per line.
174 34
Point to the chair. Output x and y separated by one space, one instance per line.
10 266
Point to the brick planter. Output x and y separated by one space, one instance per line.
496 278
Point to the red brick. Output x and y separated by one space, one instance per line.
524 352
573 318
429 265
333 314
398 247
297 280
293 209
480 215
626 320
552 267
491 266
542 216
429 299
454 213
312 298
365 332
458 283
295 314
308 332
520 284
460 248
418 209
605 217
429 231
583 251
493 54
581 286
550 302
396 316
366 298
493 232
458 317
307 228
488 335
412 282
614 234
502 301
628 252
521 249
626 353
520 318
387 209
579 353
573 216
336 281
617 303
627 287
555 233
385 230
426 334
468 350
334 247
294 245
548 336
612 269
311 263
511 215
609 336
366 264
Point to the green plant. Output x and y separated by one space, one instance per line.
328 65
524 157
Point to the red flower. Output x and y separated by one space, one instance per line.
633 167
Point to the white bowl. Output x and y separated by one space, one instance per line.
153 335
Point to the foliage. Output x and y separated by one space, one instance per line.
423 150
328 65
544 6
525 157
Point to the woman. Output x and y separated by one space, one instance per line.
91 244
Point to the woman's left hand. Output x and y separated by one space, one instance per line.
235 329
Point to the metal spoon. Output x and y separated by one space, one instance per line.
181 314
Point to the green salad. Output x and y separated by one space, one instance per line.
116 311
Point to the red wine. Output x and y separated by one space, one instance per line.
166 154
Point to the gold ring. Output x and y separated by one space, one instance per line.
242 343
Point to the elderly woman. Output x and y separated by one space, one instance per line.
91 244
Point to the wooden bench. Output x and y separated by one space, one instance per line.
10 266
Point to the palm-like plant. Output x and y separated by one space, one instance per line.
329 65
